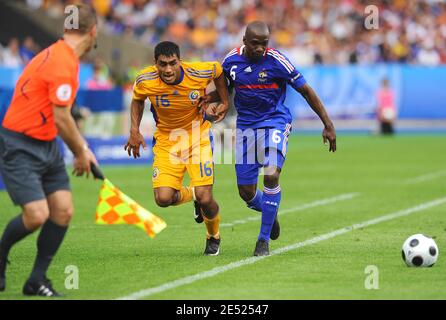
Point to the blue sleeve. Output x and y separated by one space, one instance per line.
297 80
287 71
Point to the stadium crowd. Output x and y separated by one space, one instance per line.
309 32
15 54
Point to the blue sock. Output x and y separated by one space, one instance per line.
256 202
270 206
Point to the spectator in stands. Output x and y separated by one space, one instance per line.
386 111
11 55
132 71
428 55
101 77
28 49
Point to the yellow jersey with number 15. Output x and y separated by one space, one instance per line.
176 106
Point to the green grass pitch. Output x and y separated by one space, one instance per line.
117 261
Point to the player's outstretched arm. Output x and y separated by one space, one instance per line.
136 139
70 134
329 132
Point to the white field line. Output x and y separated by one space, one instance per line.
317 203
426 177
215 271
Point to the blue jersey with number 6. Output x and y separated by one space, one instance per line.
263 121
260 87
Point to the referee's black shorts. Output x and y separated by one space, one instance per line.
31 169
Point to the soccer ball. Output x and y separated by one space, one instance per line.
420 251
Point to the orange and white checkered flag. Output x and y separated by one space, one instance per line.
115 207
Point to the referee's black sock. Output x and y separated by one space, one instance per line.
50 238
14 232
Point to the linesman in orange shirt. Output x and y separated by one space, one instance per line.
31 164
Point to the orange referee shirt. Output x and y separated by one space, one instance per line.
50 78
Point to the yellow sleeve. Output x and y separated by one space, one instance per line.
139 92
211 69
218 69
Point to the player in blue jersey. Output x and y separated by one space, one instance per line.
259 75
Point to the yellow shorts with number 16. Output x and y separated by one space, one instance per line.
180 151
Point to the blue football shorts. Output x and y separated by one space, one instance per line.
257 148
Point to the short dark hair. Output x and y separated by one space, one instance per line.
87 19
167 48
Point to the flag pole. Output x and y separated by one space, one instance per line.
97 173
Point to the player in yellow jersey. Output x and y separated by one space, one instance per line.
182 141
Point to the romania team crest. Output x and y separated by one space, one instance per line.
156 173
194 95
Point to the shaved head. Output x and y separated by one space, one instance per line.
256 40
257 28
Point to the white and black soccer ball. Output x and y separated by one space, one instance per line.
420 250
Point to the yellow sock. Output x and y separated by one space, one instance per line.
185 195
213 226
